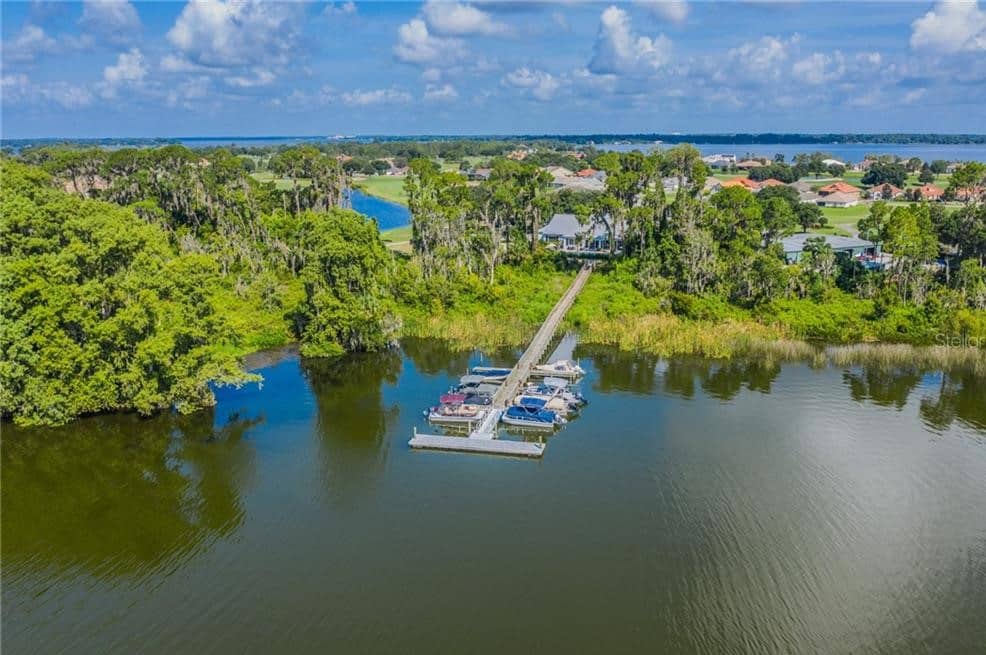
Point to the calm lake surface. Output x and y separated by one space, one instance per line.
694 507
387 214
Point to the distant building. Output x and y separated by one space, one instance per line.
771 182
885 192
720 161
929 192
744 182
833 162
794 246
747 164
480 173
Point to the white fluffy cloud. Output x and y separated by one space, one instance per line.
540 84
761 60
360 98
440 93
675 11
30 42
340 9
113 21
619 51
228 33
417 45
128 69
18 88
457 19
951 26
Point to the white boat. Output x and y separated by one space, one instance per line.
563 368
455 414
552 403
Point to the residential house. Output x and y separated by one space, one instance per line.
744 182
720 161
480 173
929 192
970 193
712 185
833 162
805 192
565 232
838 199
747 164
853 247
770 182
885 192
838 187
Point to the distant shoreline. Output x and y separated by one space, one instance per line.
766 138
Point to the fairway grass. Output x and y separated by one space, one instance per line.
398 238
387 187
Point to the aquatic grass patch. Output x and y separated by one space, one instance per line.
893 356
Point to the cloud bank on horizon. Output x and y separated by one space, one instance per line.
247 67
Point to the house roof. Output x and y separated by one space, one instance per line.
839 197
838 187
771 182
796 242
749 163
568 226
586 172
744 182
886 186
930 190
564 225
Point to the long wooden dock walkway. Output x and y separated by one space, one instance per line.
484 438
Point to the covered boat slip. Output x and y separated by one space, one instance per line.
485 438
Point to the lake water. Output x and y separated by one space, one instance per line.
846 152
694 507
387 214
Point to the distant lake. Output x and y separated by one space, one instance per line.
847 152
695 506
387 214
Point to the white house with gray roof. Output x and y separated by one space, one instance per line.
854 247
566 232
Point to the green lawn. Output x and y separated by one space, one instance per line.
388 187
398 238
281 183
845 215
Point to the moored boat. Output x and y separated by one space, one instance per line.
458 414
563 368
552 403
526 416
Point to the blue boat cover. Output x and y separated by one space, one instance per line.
528 401
531 414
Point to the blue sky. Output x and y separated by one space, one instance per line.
88 69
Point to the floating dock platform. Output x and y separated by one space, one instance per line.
484 439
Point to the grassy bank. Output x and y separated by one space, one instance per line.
476 315
387 187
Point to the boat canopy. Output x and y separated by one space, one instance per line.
558 383
471 380
530 401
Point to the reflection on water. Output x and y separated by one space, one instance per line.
959 396
352 417
694 506
122 496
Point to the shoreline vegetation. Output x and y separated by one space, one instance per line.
136 279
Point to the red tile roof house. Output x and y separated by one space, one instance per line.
970 193
586 172
838 187
929 192
744 182
885 192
